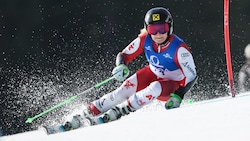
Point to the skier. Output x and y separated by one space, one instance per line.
170 74
244 73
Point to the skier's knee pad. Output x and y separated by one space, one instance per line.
155 88
146 95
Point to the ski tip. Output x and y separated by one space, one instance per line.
45 130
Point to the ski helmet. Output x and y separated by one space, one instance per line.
247 51
159 15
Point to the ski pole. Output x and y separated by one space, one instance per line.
29 120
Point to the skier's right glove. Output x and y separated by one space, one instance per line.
173 102
120 72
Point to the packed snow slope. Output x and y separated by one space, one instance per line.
220 119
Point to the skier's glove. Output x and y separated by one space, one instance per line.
173 102
120 72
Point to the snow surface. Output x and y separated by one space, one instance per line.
222 119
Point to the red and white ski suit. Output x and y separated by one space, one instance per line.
170 66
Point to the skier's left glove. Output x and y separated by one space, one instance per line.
173 102
120 72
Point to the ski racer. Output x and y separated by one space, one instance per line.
170 73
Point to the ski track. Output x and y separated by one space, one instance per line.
218 119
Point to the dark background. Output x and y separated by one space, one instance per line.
50 50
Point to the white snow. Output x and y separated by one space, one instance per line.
222 119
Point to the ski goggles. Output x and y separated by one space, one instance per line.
155 28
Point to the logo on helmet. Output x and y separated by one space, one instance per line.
156 17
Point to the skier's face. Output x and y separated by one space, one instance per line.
159 38
158 32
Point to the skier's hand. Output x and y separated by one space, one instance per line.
120 72
173 102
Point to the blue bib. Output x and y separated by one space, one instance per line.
164 60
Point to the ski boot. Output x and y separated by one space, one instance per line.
117 112
93 120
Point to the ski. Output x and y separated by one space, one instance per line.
82 123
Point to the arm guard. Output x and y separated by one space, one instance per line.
183 90
119 59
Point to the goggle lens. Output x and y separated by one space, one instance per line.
155 28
